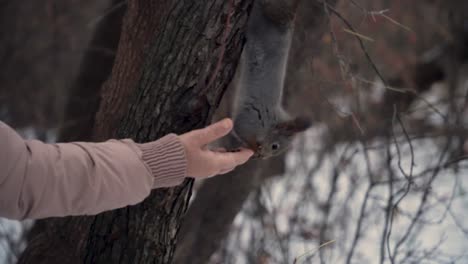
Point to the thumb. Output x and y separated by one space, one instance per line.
213 132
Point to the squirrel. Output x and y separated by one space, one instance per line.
260 122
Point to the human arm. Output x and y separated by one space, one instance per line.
40 180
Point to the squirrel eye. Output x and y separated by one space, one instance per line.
275 146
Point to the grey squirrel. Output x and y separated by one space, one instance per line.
260 122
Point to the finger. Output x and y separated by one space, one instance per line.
231 159
213 132
224 171
222 150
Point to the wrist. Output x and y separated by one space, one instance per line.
166 160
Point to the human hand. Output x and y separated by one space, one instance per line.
203 162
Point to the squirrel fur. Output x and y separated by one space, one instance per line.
260 122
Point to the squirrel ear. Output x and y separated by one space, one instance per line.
294 126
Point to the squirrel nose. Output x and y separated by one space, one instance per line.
258 147
253 145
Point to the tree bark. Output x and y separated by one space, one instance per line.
175 59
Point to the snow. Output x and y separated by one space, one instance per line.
440 237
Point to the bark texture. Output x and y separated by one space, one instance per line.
175 59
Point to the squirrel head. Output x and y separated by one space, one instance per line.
280 137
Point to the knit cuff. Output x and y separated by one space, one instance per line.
166 159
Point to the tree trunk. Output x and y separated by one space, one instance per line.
95 68
175 59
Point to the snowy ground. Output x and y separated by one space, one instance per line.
11 232
441 236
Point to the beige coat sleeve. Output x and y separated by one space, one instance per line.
40 180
